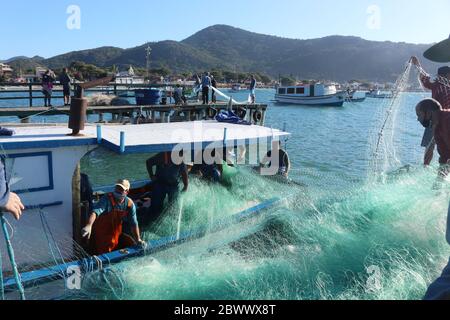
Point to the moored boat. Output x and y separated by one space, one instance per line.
378 94
311 95
352 97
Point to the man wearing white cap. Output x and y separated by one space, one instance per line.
104 228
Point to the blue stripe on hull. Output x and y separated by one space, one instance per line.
331 104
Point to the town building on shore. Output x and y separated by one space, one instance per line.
129 77
31 77
5 70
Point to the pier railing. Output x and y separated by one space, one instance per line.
29 90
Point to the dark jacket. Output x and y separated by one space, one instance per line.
65 80
442 136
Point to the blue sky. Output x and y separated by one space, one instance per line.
40 27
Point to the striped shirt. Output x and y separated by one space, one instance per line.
440 91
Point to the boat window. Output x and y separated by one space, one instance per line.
291 90
300 90
282 91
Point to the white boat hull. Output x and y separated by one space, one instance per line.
337 99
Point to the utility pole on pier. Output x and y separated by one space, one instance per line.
148 52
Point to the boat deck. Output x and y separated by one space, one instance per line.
145 138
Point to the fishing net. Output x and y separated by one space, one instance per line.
339 236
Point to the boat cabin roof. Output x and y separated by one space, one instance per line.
144 138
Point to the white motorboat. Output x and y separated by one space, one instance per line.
311 94
378 94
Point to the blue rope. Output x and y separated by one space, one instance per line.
2 289
12 258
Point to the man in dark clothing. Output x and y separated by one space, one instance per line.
213 85
198 85
165 180
86 193
47 87
9 201
178 95
253 89
65 81
282 165
209 172
206 83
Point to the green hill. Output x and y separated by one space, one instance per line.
174 55
333 57
100 57
223 47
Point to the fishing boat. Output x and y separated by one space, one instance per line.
378 94
42 164
311 95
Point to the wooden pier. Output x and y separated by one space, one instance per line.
254 113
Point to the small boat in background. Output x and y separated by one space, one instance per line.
352 97
317 94
378 94
236 88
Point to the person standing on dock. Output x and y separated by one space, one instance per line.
178 95
440 90
252 89
105 223
213 86
165 180
206 83
65 81
47 87
9 201
198 85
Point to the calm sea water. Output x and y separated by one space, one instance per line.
326 141
342 236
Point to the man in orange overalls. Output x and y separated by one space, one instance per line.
104 228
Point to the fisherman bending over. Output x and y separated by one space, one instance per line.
106 222
209 172
283 160
441 93
430 114
165 180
